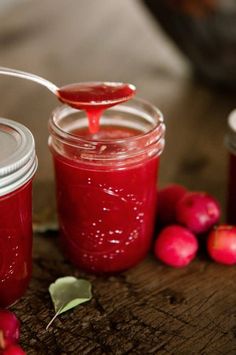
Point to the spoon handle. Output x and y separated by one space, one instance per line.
21 74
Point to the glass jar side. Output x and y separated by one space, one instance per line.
15 243
106 189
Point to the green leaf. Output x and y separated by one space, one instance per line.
68 292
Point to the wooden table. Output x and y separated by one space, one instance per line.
150 309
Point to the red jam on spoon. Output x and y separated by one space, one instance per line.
95 97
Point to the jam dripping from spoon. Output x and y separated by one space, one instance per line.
95 97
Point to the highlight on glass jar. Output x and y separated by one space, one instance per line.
106 183
18 164
231 146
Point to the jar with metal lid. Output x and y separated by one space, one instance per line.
231 145
18 163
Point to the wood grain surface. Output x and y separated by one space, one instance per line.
150 309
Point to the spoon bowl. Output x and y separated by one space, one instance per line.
95 95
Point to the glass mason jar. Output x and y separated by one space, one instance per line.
231 146
106 183
18 164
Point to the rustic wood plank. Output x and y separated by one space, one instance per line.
150 309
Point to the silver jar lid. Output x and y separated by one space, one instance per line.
18 161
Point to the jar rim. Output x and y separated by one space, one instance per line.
136 114
232 121
230 139
73 137
19 161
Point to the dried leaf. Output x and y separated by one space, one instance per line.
68 292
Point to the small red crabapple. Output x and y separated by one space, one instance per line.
197 211
176 246
9 328
221 244
13 350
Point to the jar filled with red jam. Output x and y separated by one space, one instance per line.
231 145
106 183
18 164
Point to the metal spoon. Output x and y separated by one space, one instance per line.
81 95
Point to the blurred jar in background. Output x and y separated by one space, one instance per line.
230 142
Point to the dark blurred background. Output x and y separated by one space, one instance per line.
71 41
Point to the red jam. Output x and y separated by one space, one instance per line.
106 184
15 244
107 220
